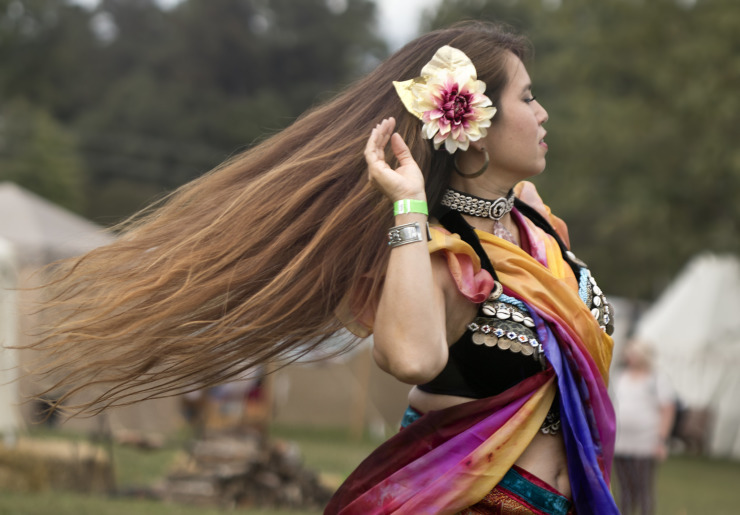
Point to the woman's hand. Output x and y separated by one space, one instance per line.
406 181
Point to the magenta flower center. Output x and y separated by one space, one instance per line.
456 105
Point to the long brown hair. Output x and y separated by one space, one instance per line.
248 263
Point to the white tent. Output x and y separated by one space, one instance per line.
9 415
695 329
42 232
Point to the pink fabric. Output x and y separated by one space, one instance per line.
526 192
472 281
476 286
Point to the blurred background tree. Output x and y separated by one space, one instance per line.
157 97
40 154
131 100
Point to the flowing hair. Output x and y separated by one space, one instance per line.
249 263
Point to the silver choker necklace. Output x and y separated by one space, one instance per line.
476 206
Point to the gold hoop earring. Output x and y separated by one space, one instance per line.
475 174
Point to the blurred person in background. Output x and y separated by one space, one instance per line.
645 406
501 330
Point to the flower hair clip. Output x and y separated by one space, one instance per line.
449 99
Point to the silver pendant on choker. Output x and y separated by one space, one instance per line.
477 206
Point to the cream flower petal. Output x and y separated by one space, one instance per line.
456 131
450 145
449 60
429 130
484 114
479 87
438 140
474 134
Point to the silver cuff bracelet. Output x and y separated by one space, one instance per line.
403 234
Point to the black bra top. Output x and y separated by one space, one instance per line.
499 348
478 371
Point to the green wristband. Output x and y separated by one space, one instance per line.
401 207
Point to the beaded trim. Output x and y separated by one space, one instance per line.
551 424
595 300
476 206
506 335
514 302
506 326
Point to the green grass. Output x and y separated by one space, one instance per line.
698 486
64 503
685 486
135 467
329 451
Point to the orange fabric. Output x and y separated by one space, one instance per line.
552 290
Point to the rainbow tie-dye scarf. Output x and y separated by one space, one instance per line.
450 459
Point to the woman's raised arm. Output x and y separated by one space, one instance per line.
410 330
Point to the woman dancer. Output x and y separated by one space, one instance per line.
502 330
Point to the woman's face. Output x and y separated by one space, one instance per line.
515 140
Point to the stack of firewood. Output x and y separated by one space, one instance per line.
33 464
245 470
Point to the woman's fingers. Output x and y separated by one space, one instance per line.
373 150
401 151
376 143
379 137
386 128
404 182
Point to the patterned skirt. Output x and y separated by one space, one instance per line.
521 493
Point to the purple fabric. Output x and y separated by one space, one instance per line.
587 420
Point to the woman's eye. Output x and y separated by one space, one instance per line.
530 99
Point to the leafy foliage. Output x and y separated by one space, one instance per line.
157 97
38 153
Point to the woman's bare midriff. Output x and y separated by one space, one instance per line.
544 457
